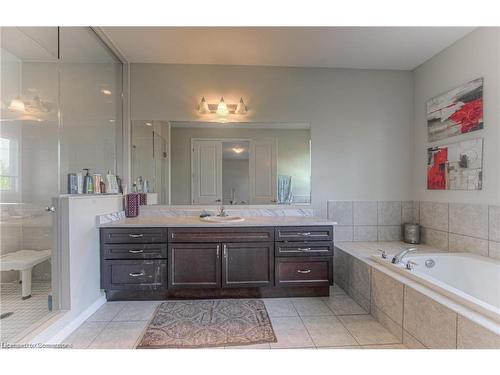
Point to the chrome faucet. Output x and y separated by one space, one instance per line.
221 211
399 256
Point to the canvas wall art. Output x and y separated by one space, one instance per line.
457 166
456 112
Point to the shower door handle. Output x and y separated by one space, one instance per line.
50 209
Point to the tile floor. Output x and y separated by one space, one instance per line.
327 322
25 312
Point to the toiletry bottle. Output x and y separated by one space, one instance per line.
111 184
72 183
97 183
88 184
79 181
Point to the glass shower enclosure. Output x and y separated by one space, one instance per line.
61 111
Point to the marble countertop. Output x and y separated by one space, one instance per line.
195 221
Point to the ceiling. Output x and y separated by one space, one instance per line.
392 48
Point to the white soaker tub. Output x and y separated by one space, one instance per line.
468 279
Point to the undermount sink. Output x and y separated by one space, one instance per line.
222 219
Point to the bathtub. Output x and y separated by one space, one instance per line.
468 279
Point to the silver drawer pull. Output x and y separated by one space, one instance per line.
305 234
304 271
304 249
136 251
136 235
137 274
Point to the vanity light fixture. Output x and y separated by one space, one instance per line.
222 108
149 124
106 92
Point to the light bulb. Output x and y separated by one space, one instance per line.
17 105
238 149
241 108
203 107
222 108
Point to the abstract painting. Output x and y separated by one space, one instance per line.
456 112
457 166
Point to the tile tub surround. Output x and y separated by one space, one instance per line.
461 227
415 315
369 220
457 227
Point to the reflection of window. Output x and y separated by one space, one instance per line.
8 165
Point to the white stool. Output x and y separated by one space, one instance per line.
24 261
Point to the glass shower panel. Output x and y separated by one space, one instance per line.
29 174
91 104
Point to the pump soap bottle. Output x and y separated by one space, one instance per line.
88 183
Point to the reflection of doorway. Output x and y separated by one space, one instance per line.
236 172
233 171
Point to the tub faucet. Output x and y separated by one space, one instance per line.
399 256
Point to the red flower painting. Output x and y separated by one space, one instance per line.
469 116
436 173
456 112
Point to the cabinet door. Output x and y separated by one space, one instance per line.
248 264
194 266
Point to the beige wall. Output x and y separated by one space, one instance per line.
476 55
360 119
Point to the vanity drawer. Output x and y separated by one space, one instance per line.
295 271
134 274
245 234
305 248
309 233
134 251
134 235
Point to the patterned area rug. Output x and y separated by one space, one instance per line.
208 323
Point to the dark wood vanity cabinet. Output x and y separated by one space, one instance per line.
247 264
194 265
216 262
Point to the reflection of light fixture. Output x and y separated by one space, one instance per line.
238 149
149 124
222 108
17 105
203 108
106 92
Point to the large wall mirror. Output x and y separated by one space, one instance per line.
205 163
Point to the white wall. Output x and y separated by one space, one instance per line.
360 119
476 55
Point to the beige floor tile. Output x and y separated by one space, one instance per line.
255 346
277 307
85 334
139 310
367 330
119 335
311 306
341 347
385 346
328 331
291 333
342 304
106 312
